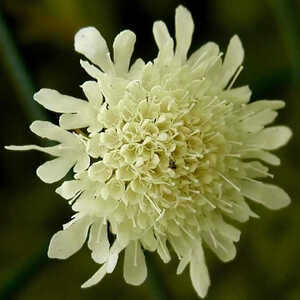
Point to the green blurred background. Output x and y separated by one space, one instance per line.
267 265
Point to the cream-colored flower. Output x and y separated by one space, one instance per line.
175 149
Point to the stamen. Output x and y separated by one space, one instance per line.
228 181
239 70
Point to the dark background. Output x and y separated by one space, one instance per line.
267 265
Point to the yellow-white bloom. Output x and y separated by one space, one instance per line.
175 149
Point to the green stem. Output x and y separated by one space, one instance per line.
287 20
154 280
20 277
17 71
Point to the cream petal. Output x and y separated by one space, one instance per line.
257 122
100 172
57 102
136 69
240 94
135 269
210 49
70 188
271 138
269 195
82 163
184 27
222 246
185 260
55 150
90 69
233 59
198 271
162 249
123 49
228 230
54 170
161 35
96 278
66 242
73 121
50 131
112 262
90 43
98 242
264 156
92 91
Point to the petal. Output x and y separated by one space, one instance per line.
54 170
90 43
184 27
271 138
198 271
269 195
90 69
82 163
74 121
55 101
70 188
50 131
233 59
55 150
210 49
185 260
98 242
92 91
257 122
123 49
66 242
100 172
264 156
161 35
240 94
96 278
135 269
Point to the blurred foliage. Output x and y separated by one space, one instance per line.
267 262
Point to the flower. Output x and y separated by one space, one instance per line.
163 153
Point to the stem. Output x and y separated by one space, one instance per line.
19 278
16 69
154 280
290 30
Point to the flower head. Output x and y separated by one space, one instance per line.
163 152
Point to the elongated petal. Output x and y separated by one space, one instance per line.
183 263
70 188
98 242
54 170
90 43
233 59
184 27
55 150
55 101
90 69
135 269
96 278
269 195
198 271
123 49
222 246
73 121
66 242
82 163
264 156
50 131
92 91
271 138
210 49
161 35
